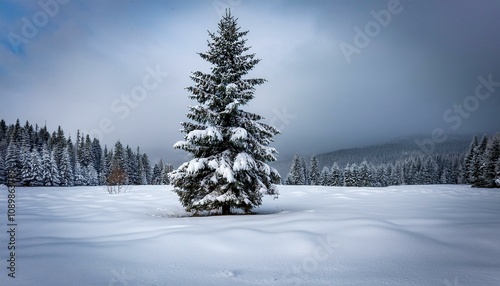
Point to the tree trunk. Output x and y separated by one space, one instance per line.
226 209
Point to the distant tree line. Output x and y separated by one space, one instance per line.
479 166
32 156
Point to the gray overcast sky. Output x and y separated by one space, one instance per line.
329 87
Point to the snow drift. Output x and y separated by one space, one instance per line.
405 235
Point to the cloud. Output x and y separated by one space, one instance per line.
92 53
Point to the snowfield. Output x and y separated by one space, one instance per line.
405 235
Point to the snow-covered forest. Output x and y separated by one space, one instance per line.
32 156
478 165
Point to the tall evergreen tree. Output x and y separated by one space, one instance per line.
141 173
96 154
147 168
3 176
490 161
497 170
335 176
364 175
314 178
349 176
468 160
296 174
157 172
50 176
476 173
229 145
27 170
324 176
13 164
131 166
65 169
303 166
107 159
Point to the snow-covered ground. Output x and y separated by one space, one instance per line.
406 235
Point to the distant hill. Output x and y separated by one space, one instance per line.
378 154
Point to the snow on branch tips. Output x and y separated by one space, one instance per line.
229 145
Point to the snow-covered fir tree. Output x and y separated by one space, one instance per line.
13 164
96 154
65 169
3 177
296 174
80 178
146 164
107 158
157 171
364 176
131 166
304 170
32 170
476 173
350 179
335 178
490 161
50 175
229 145
497 171
468 160
324 176
314 178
